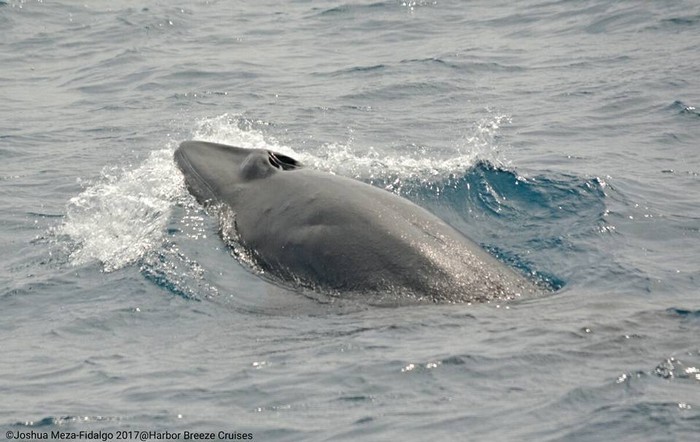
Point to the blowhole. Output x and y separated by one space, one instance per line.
282 161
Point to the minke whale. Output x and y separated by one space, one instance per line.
340 235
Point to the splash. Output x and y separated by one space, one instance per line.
239 131
123 215
479 143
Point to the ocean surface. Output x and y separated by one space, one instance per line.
563 136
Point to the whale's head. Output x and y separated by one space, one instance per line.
213 170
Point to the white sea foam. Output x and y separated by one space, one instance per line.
478 143
123 214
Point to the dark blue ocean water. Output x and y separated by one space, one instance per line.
561 135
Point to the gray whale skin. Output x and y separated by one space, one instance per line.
341 235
